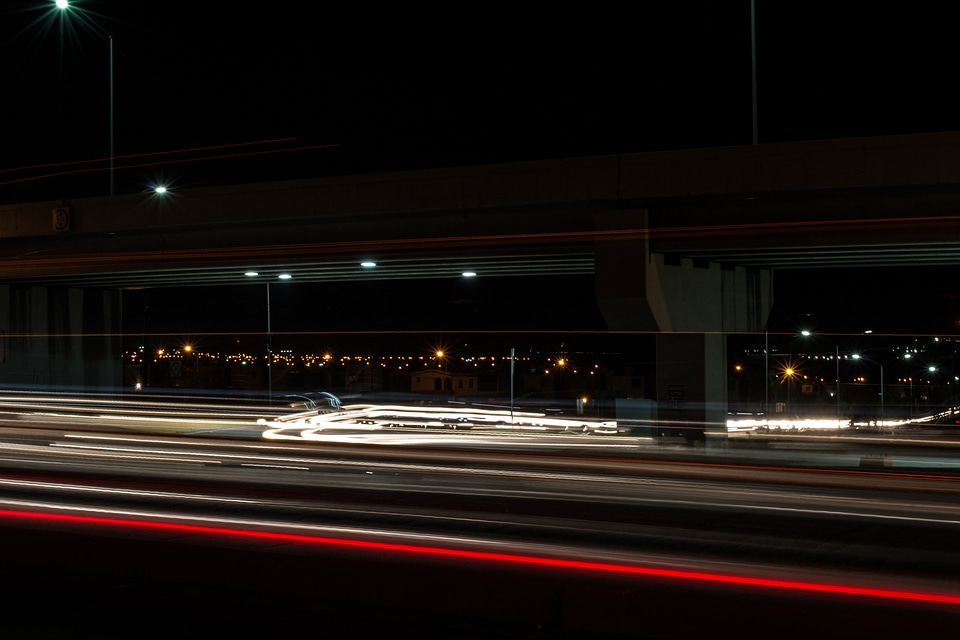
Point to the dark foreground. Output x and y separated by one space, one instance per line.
74 582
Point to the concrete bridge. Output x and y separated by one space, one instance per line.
680 243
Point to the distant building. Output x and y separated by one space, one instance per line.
435 380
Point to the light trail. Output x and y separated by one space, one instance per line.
618 489
162 162
530 560
142 155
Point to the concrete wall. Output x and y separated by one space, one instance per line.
57 338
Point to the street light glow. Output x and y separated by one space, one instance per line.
86 18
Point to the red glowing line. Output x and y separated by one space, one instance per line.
153 164
152 153
510 558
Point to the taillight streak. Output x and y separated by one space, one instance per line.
507 558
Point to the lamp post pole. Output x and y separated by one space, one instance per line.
837 361
766 373
110 39
753 67
269 352
63 5
881 397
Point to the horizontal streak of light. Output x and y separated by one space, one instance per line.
168 495
110 454
105 451
143 155
949 518
275 466
105 490
501 557
160 162
927 479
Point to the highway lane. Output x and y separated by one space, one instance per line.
898 525
624 504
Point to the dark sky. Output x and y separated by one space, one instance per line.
405 87
400 88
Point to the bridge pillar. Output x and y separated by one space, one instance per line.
691 306
60 338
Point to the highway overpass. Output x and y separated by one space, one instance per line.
680 243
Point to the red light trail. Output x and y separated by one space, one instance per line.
507 558
160 162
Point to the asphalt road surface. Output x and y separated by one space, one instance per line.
112 531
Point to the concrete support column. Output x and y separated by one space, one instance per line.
691 392
691 306
60 339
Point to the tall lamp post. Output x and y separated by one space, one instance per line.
753 67
836 359
64 5
766 357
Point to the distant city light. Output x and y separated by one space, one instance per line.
469 274
368 264
284 276
251 274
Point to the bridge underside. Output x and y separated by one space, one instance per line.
679 244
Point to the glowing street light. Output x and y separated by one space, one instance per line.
64 6
836 360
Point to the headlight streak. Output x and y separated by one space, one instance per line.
375 417
274 466
471 555
930 482
376 465
139 493
925 482
577 479
338 509
157 456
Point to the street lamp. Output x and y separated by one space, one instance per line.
63 6
836 352
766 358
788 374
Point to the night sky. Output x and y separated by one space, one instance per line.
405 88
409 87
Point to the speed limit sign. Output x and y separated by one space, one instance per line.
61 219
